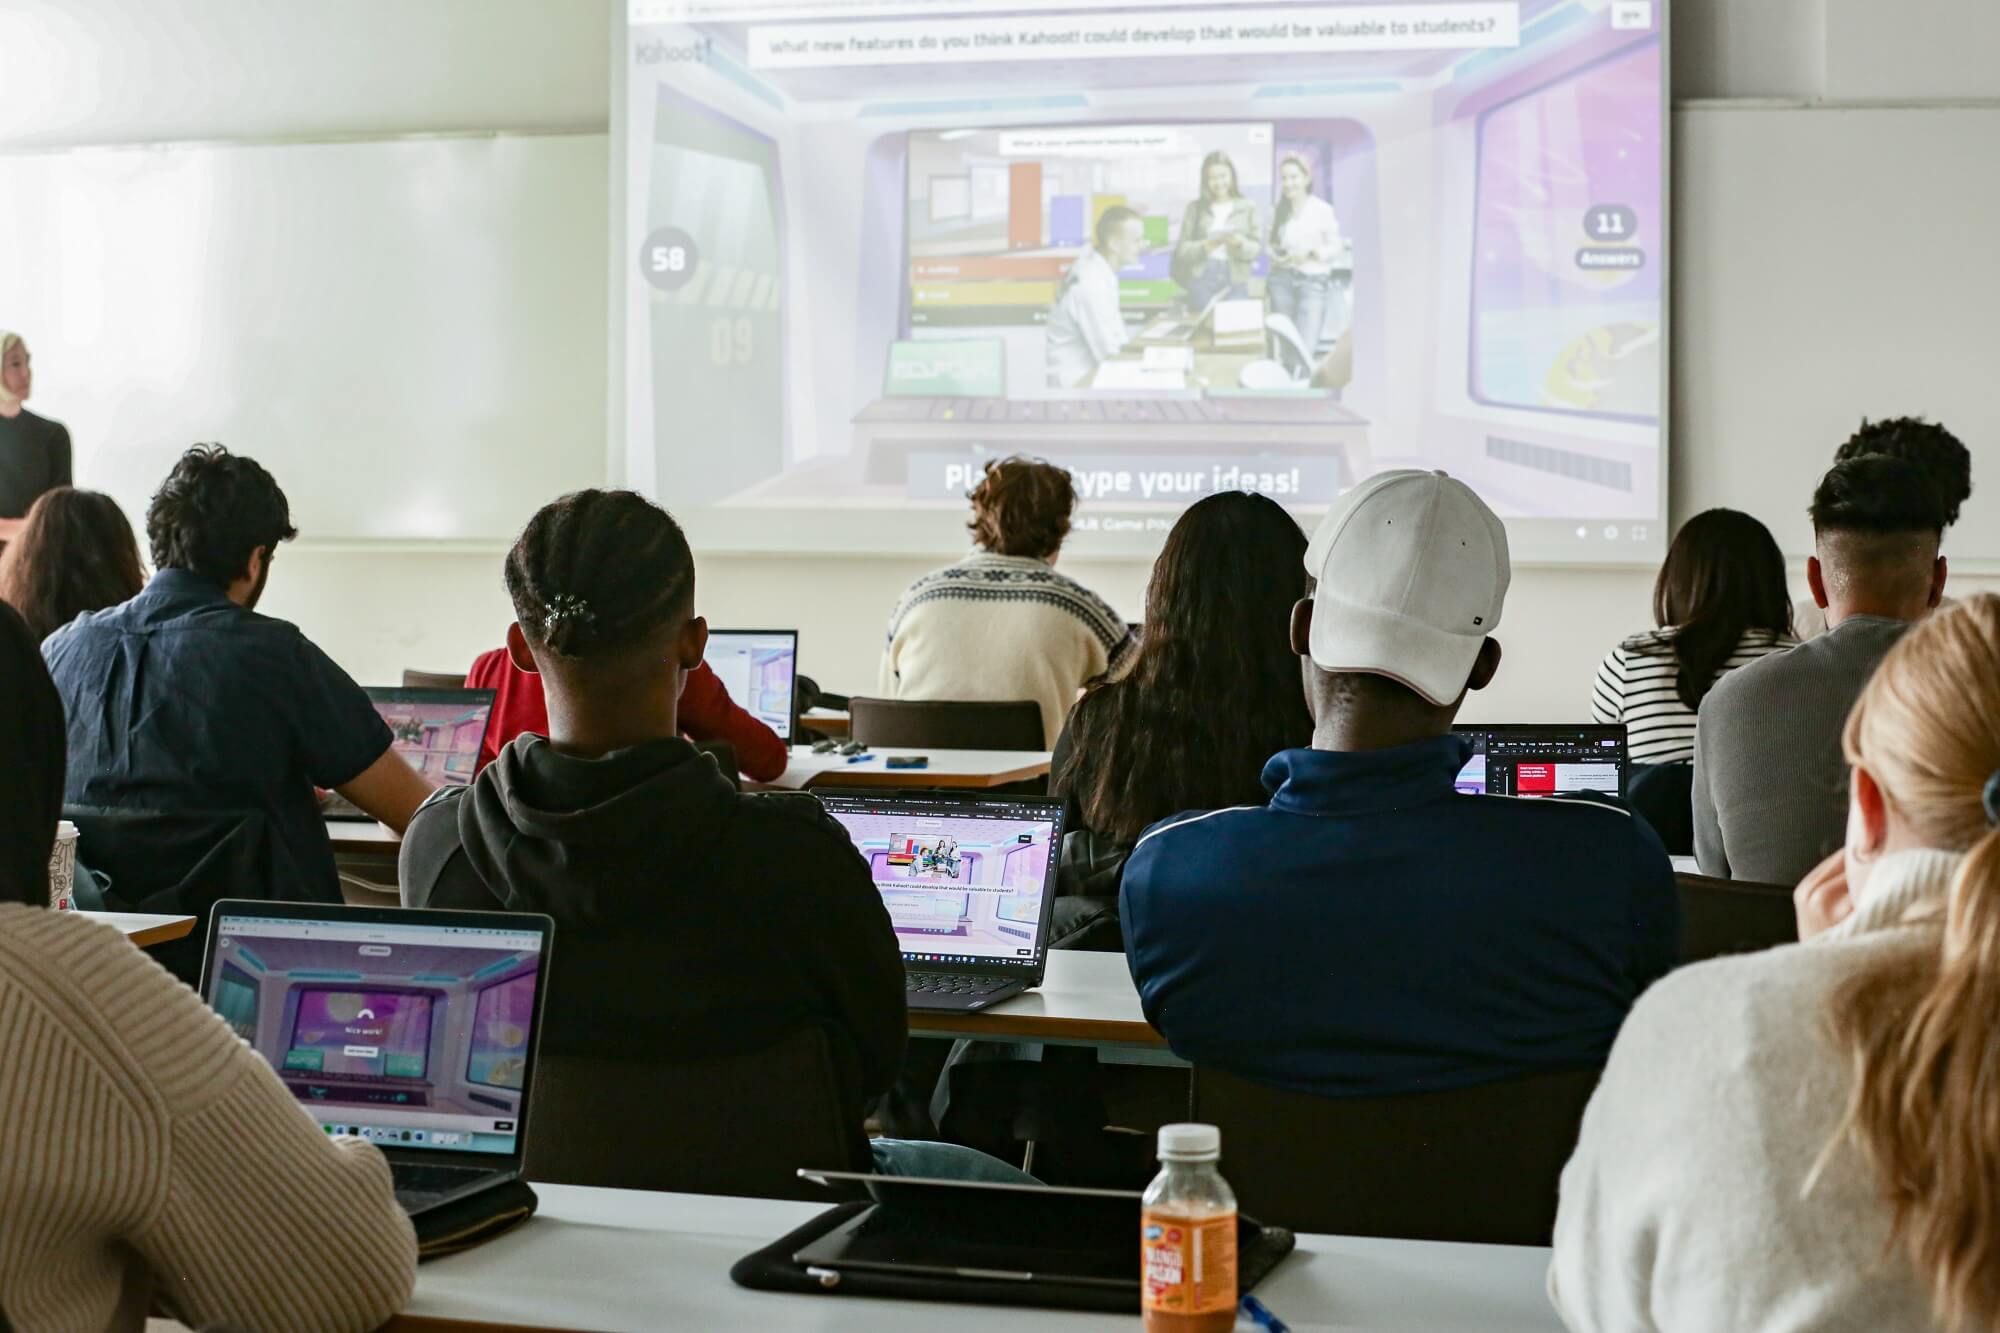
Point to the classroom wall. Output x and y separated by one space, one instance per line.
239 69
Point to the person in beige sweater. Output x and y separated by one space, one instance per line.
1803 1139
147 1155
1002 624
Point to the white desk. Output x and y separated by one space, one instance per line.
622 1261
1085 999
145 929
962 769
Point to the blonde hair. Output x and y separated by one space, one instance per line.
1924 1035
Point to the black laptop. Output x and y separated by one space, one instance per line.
413 1029
969 882
1544 760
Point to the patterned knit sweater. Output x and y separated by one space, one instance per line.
995 628
146 1151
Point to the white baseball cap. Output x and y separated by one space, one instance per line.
1412 571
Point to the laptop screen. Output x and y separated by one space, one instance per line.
759 668
965 879
414 1032
438 732
1543 760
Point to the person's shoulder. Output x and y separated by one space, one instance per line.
432 836
795 818
1192 828
1647 643
489 669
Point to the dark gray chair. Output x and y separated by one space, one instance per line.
1476 1164
1726 916
433 680
947 724
731 1124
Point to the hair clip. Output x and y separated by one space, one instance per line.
566 607
1990 798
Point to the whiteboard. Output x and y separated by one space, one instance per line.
1831 263
409 333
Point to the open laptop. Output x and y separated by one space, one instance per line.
969 882
438 733
413 1029
760 669
1544 760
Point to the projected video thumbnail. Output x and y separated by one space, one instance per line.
1177 250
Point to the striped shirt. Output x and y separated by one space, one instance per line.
996 628
1635 686
147 1153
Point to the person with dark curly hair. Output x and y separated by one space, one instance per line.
186 700
1942 456
1002 624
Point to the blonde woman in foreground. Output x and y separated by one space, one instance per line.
1809 1138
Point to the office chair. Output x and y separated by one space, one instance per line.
1476 1164
1727 916
947 724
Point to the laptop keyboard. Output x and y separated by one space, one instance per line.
421 1186
946 983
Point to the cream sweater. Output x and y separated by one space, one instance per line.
996 628
146 1151
1685 1207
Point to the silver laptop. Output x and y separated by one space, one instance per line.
413 1029
760 669
969 882
437 732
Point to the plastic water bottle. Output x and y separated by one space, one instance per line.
1187 1237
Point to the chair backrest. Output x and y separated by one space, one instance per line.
948 724
1663 796
1725 916
733 1124
1474 1164
433 680
183 862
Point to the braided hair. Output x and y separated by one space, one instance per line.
596 572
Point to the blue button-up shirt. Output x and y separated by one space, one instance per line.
181 700
1372 931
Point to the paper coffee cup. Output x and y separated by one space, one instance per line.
62 868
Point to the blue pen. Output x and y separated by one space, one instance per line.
859 758
1260 1314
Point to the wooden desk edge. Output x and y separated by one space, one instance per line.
1003 1026
160 934
921 778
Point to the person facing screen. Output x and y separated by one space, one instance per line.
1154 741
75 553
1305 242
1086 326
1002 624
145 1149
1804 1138
1218 237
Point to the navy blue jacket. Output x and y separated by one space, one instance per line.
1372 932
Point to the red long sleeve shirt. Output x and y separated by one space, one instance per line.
707 713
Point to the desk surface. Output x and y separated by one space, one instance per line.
623 1261
145 929
828 721
973 769
362 835
1084 999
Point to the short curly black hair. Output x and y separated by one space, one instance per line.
596 572
1930 446
1878 495
213 510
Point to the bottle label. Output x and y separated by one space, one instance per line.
1189 1265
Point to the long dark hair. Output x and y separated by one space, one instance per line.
33 754
75 553
1214 689
1724 577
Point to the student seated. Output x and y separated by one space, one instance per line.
1086 325
147 1154
1370 931
693 920
1002 624
1804 1138
1931 447
1770 788
707 713
1137 749
1719 604
184 699
75 553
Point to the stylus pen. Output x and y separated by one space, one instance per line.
859 758
1261 1315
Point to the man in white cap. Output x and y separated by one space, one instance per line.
1371 930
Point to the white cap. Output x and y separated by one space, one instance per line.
1190 1143
1412 570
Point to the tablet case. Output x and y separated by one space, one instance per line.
1258 1250
473 1220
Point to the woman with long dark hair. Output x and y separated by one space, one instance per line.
1213 692
75 553
1719 603
1218 236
